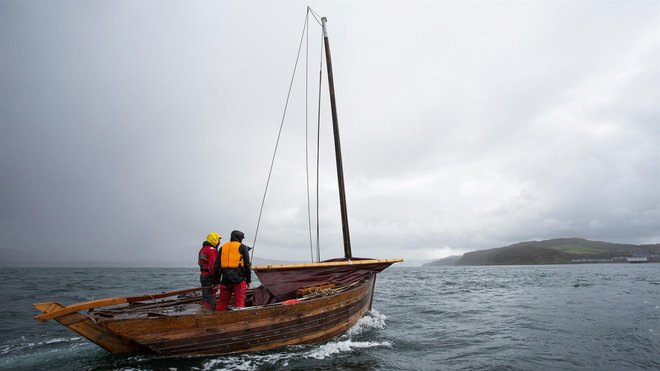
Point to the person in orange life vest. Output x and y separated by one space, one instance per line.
233 271
207 257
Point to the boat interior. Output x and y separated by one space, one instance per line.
189 303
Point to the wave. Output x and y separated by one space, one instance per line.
335 347
247 362
373 320
22 344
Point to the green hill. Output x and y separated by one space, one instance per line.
450 260
555 251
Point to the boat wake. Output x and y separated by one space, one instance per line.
336 347
347 343
28 353
24 344
344 344
373 320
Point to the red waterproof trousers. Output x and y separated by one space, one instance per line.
238 289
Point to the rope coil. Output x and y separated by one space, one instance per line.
319 292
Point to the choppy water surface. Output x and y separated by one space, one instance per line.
601 317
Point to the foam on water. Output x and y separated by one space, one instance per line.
373 320
61 340
335 347
24 343
247 361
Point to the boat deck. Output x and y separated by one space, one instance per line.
181 306
189 304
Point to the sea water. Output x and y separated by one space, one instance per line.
555 317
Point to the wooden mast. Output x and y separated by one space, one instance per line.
340 166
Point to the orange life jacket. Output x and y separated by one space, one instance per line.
230 257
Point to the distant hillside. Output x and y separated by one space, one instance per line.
555 251
450 260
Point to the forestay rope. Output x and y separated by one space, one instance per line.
304 36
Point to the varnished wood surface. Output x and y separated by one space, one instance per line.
249 329
300 331
327 264
62 310
95 333
180 326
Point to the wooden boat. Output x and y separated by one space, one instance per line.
296 304
175 324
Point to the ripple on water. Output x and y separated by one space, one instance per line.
516 317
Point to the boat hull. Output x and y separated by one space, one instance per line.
251 329
203 332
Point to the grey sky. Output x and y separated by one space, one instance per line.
132 129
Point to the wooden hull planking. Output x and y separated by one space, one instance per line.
96 333
198 331
250 329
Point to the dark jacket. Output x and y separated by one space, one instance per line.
234 275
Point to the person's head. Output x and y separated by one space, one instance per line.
214 239
237 236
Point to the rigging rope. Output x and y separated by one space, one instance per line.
315 15
279 134
309 211
304 36
318 155
318 148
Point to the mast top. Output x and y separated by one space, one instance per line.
325 31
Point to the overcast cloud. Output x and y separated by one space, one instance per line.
132 129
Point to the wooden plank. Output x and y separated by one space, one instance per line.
133 299
78 307
327 264
95 333
50 314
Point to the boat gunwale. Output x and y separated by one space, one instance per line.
347 289
349 262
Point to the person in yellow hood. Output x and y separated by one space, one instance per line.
232 269
206 259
